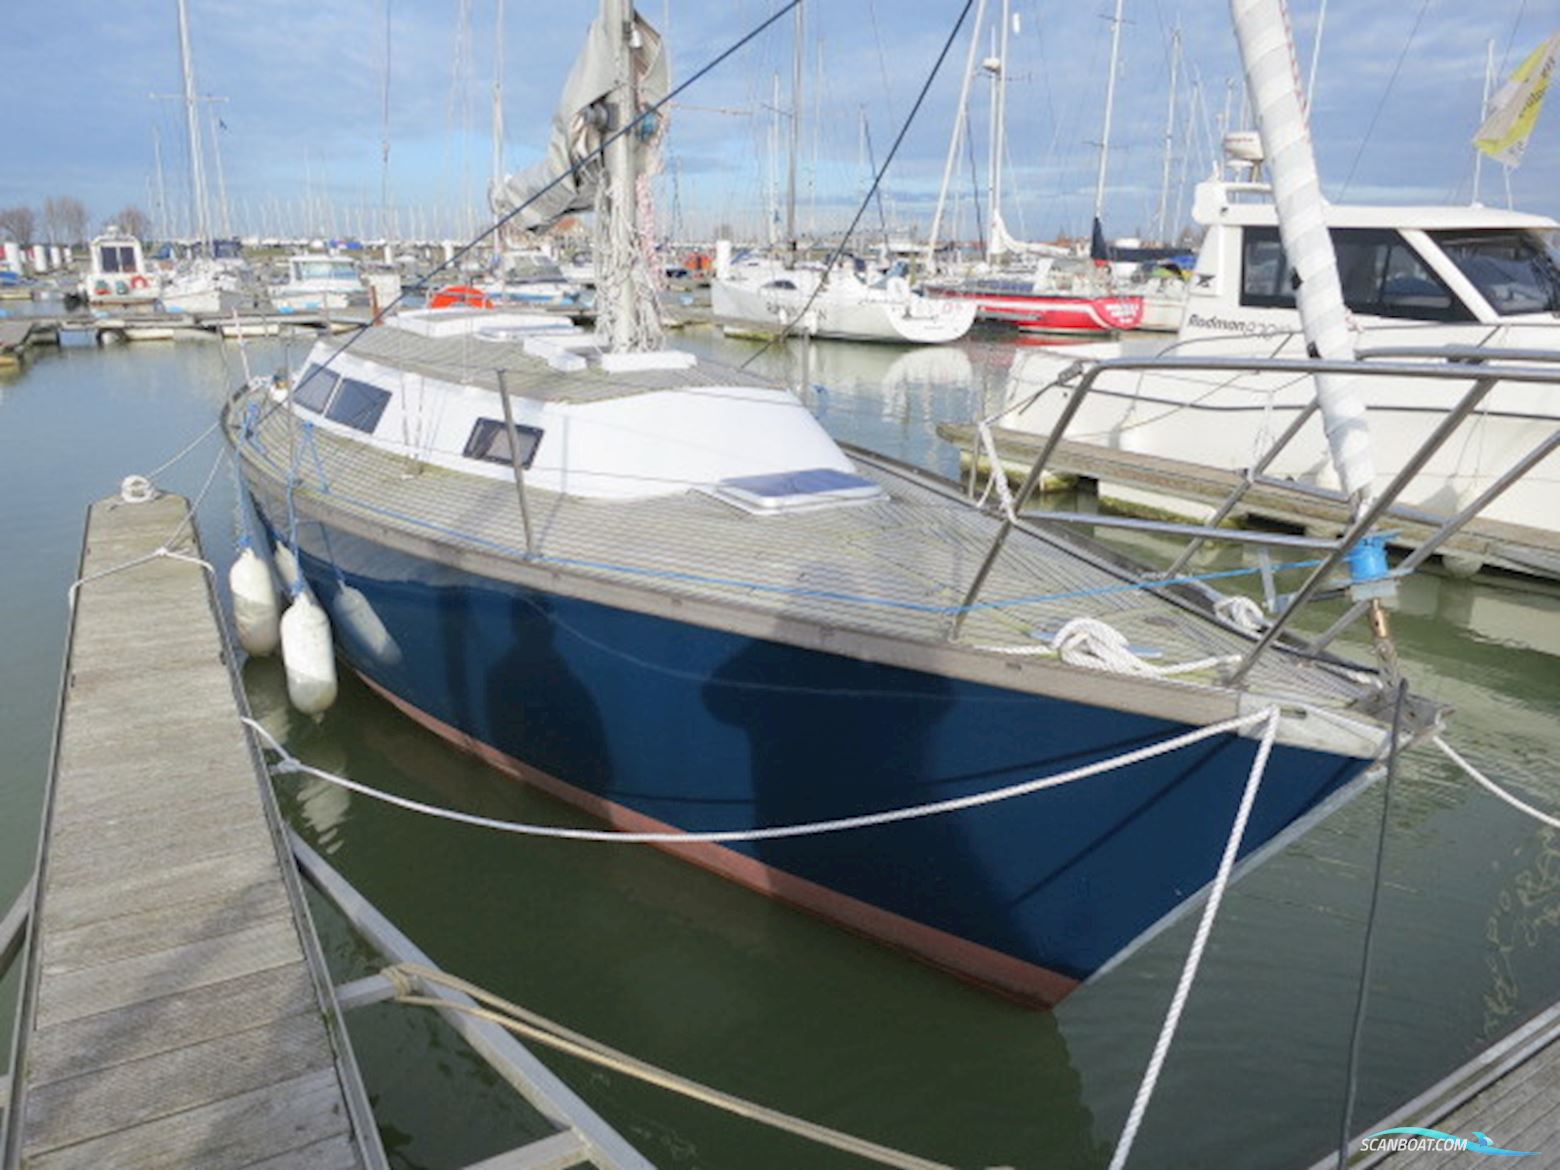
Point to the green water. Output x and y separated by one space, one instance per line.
688 971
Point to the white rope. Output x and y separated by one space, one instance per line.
542 1030
996 474
1090 642
1485 782
290 763
196 442
138 489
1183 989
157 554
1242 612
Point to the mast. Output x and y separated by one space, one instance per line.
1110 107
1316 56
627 312
384 136
498 97
197 169
222 192
999 133
796 140
960 121
1267 54
1484 112
1164 180
993 66
163 227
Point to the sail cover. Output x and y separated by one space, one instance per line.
1267 51
580 125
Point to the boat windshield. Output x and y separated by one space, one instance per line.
1516 271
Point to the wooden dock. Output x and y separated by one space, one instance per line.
175 1010
1512 547
1510 1092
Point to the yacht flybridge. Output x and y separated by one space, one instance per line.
1434 280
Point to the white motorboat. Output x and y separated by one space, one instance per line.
117 273
316 283
1420 277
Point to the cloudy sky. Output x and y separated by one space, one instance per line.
1397 101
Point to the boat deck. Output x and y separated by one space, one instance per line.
173 1015
898 567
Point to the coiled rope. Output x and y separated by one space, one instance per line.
288 762
405 977
139 489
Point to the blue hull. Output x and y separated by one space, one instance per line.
704 730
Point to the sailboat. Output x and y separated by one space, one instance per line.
658 589
840 302
197 285
1051 290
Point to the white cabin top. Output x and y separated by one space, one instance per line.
430 385
1214 205
1450 268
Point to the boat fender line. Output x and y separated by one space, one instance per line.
1086 641
1485 782
287 762
410 981
1183 989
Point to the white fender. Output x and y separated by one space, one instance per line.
308 655
360 625
256 610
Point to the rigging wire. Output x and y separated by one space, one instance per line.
649 112
1356 1032
1370 129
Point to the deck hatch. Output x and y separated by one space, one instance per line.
796 491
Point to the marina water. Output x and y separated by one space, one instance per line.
691 972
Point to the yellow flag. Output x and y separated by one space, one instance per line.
1513 110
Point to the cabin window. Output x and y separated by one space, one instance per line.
789 285
117 259
358 405
1512 269
489 441
1382 276
314 389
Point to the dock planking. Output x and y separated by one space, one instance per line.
1513 547
1509 1092
174 1013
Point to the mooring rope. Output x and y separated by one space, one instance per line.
523 1022
1492 787
1183 988
137 490
290 763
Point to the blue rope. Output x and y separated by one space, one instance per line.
791 590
